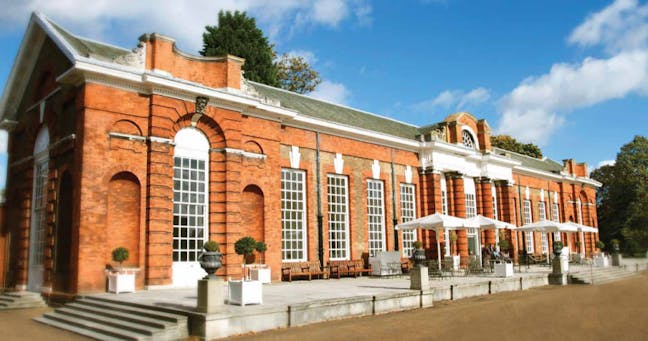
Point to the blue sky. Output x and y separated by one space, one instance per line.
570 76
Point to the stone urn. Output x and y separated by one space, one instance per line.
210 261
557 248
418 257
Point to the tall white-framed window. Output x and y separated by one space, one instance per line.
190 194
38 229
444 210
293 215
555 216
528 220
542 215
338 216
494 194
471 204
471 211
579 208
408 213
376 216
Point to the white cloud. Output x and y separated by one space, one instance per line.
606 163
536 107
332 92
308 56
183 20
620 26
456 99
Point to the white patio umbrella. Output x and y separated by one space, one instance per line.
435 222
547 226
489 224
582 228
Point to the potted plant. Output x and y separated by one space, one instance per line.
210 259
246 247
121 280
600 245
418 256
456 259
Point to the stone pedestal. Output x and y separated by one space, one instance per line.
419 279
616 259
558 275
210 295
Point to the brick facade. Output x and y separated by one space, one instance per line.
111 172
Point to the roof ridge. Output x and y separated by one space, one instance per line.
544 157
336 104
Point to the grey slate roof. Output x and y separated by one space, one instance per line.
546 164
337 113
89 48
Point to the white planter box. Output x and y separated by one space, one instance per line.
244 292
601 261
260 274
504 269
121 281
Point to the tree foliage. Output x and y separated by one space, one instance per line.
295 74
622 201
509 143
238 35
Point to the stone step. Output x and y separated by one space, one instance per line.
136 309
104 320
77 330
21 300
149 321
107 332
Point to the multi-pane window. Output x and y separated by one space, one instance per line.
467 139
444 210
555 216
542 215
189 208
408 213
375 216
293 215
527 220
494 194
39 211
338 216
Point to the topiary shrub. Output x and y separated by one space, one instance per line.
120 255
211 246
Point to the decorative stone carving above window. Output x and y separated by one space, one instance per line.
134 59
408 174
375 169
294 156
338 163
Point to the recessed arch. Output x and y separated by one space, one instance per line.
38 222
123 217
126 127
253 212
252 147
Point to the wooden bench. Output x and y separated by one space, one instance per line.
354 267
302 269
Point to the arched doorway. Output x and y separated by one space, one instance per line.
252 215
123 220
63 254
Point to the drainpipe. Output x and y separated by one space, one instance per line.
394 216
320 228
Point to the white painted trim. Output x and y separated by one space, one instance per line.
164 140
126 136
294 156
338 163
241 152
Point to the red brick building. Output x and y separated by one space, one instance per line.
157 150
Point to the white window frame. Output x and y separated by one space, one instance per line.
408 213
542 215
338 216
293 215
376 216
190 195
494 194
555 216
471 202
528 220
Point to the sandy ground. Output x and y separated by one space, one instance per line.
613 311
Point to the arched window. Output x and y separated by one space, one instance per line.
468 140
39 211
190 201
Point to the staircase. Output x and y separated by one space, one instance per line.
21 300
599 275
104 319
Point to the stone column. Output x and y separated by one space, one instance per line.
486 201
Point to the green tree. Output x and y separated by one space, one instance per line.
622 201
509 143
238 35
295 74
